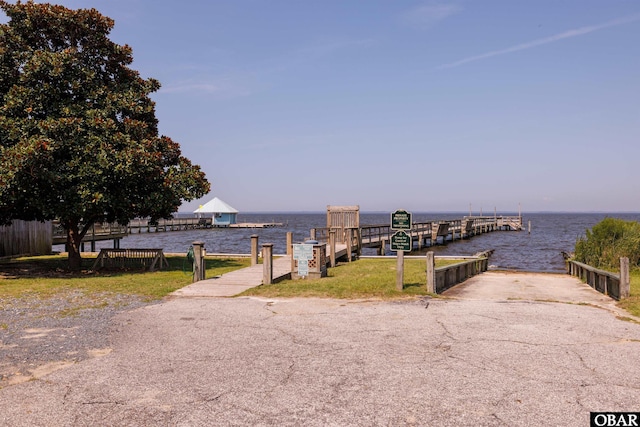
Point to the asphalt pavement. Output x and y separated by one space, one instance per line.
476 358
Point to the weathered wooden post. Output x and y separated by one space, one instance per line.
198 261
289 243
624 278
400 271
383 247
254 249
267 263
349 243
312 234
431 272
332 247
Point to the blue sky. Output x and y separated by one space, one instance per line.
419 105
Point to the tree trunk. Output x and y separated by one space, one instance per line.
74 240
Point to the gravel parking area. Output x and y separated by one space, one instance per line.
38 336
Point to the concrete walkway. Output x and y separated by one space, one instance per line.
235 282
526 286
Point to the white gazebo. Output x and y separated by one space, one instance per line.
222 214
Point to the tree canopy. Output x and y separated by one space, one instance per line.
79 137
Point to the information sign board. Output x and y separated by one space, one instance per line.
401 220
401 241
303 267
302 252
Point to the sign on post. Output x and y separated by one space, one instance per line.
303 254
401 241
401 220
302 251
303 267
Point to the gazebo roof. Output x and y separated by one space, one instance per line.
215 206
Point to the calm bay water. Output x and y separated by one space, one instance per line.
551 233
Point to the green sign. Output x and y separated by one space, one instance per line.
401 220
401 241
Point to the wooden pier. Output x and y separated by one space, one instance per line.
349 234
115 232
98 232
142 225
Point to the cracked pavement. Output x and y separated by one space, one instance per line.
249 361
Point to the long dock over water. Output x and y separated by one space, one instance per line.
141 225
116 232
423 234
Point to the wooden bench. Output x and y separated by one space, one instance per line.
121 258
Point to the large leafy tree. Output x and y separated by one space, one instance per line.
78 134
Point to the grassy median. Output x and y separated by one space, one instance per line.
365 278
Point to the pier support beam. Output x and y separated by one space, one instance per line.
382 251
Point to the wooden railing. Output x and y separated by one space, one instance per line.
99 231
450 275
617 286
139 225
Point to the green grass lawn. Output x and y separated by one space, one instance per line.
46 276
365 278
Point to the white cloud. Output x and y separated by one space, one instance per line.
539 42
428 15
190 87
221 88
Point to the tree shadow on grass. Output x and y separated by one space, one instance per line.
57 267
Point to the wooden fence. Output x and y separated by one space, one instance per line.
617 286
25 238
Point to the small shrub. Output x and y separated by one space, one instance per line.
607 242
